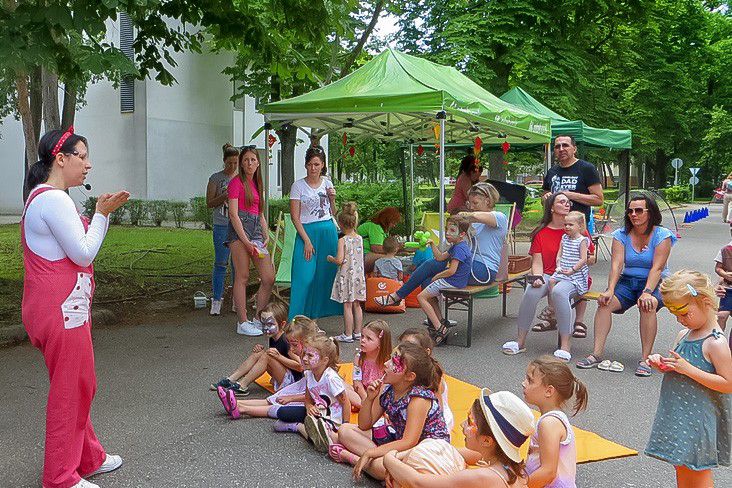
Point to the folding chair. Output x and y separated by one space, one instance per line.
283 269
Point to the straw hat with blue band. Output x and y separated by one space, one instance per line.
510 419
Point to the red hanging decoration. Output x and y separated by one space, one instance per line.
420 150
345 139
271 140
351 151
505 146
477 147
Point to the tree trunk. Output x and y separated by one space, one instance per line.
288 139
362 41
659 168
36 101
68 112
624 175
31 147
51 119
496 168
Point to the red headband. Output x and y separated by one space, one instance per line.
64 136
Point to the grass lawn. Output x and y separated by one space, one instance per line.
134 263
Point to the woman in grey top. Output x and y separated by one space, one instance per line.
216 198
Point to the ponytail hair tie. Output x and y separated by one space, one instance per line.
60 143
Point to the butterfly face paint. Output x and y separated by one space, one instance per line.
396 363
310 357
269 325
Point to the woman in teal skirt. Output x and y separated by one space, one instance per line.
312 201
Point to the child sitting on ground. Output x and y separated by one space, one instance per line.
410 404
299 331
456 275
282 365
374 352
349 286
390 266
422 338
552 459
723 268
692 428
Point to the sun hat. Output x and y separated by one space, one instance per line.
510 419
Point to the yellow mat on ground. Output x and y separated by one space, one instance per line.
461 395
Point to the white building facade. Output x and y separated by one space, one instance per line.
166 147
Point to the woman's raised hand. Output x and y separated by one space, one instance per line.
109 202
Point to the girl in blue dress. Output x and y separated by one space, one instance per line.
691 430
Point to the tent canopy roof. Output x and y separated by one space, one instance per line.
591 136
396 96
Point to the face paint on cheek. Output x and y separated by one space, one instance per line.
269 326
311 357
397 364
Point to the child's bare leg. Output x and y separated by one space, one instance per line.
357 317
245 366
355 441
254 408
426 302
353 397
722 317
276 369
259 367
688 478
348 317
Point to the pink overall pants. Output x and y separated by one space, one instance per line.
57 316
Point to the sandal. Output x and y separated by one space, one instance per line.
563 355
440 335
589 362
643 370
228 400
544 326
511 348
334 452
580 330
387 300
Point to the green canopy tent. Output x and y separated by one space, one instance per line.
396 96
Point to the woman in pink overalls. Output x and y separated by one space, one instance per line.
58 249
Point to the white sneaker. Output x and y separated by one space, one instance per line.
248 329
256 323
343 338
111 463
84 484
215 307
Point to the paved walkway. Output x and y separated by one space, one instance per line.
153 405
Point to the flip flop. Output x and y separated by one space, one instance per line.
589 362
643 370
334 452
605 365
511 348
580 330
616 367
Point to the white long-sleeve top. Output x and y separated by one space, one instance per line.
54 231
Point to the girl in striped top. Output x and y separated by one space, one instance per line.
572 255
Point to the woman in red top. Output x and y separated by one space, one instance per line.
545 242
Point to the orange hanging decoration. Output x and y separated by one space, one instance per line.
420 150
345 139
271 140
436 130
351 151
477 147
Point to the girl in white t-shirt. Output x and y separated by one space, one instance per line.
312 200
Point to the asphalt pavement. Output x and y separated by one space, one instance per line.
154 408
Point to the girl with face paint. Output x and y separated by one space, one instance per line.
410 403
289 385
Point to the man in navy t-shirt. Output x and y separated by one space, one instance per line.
578 179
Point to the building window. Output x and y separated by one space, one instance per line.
127 84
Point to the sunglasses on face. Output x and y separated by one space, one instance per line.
636 210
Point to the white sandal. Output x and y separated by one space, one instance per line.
563 355
511 348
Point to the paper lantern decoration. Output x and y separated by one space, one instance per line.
345 139
351 151
477 147
436 130
505 146
420 150
271 140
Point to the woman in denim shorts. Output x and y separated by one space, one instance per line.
640 254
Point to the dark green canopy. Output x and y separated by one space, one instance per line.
583 133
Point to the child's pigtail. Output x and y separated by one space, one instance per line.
581 396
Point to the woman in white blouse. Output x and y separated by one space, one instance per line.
59 247
312 206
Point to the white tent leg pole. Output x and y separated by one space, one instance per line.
548 158
265 174
442 115
411 187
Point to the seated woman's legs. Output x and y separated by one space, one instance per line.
481 275
527 309
603 323
648 329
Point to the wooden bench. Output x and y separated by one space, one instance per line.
461 299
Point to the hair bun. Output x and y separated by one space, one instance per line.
350 208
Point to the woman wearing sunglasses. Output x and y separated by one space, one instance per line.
640 254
